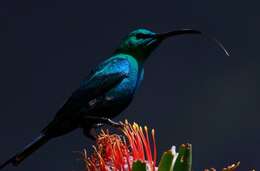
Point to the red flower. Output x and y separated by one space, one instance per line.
115 152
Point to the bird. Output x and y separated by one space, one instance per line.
106 92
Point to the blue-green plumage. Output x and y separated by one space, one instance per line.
105 93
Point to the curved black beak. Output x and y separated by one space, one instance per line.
177 32
162 36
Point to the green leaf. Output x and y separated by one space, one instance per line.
139 166
184 159
166 161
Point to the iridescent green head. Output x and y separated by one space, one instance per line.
141 42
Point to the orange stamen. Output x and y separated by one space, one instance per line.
154 149
113 152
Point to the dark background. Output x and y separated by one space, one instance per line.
192 92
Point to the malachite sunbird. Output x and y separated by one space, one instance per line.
106 92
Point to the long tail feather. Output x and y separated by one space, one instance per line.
27 151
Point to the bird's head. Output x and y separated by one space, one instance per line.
141 42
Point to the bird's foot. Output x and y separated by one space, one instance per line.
114 124
103 120
98 125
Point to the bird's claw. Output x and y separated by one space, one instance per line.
107 121
118 125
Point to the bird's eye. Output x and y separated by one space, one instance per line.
141 36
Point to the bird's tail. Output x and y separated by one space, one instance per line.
27 151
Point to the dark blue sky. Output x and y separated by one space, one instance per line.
191 92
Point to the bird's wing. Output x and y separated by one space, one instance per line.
105 77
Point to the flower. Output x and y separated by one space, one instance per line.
115 152
132 151
232 167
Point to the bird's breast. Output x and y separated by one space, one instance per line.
127 87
